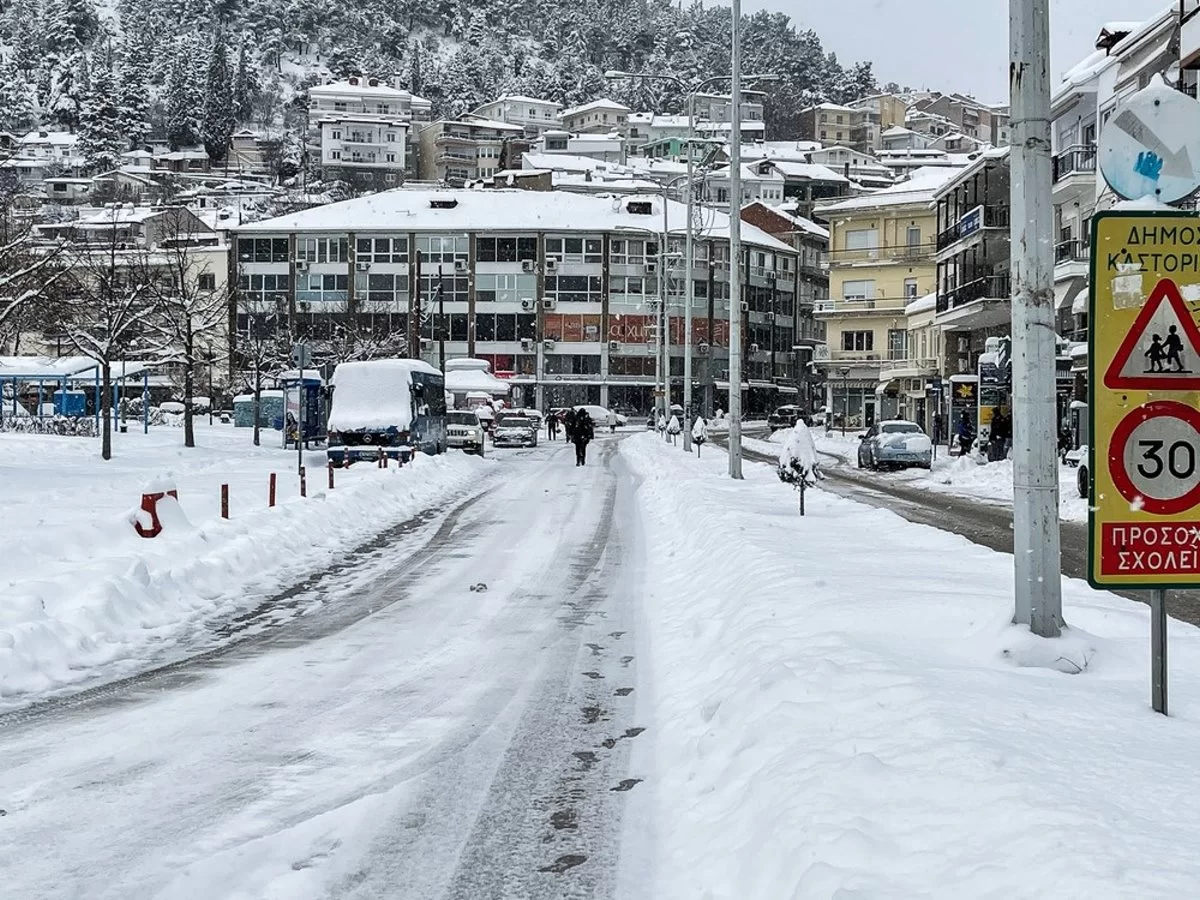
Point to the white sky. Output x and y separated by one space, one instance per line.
950 45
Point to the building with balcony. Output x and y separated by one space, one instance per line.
714 116
535 116
760 181
973 285
597 117
876 114
987 124
828 123
559 292
881 258
605 148
455 151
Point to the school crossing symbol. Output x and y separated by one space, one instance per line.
1162 349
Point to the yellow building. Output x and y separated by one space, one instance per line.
881 259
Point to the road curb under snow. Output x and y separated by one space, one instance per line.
135 601
841 708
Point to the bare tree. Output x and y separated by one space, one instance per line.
190 309
262 341
105 305
26 271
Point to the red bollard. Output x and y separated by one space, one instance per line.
330 467
271 492
150 505
303 483
224 501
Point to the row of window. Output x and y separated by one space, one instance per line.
864 341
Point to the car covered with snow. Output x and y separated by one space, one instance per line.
786 417
515 429
465 431
599 415
895 444
386 407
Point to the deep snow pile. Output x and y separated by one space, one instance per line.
86 598
840 708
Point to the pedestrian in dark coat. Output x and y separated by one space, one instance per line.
581 435
569 424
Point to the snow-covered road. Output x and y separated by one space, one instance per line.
409 737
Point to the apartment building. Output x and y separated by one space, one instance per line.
760 181
881 258
606 148
714 116
875 115
974 289
456 151
597 117
535 116
988 124
364 127
557 291
828 123
861 168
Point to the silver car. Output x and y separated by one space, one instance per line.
463 429
515 430
895 444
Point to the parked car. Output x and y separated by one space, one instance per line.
600 415
463 429
819 417
786 417
1081 458
514 429
895 443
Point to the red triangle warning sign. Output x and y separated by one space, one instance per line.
1162 349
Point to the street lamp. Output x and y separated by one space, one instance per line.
210 358
845 373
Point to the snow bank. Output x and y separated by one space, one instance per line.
840 708
86 598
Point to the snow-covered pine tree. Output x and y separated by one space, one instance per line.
216 127
245 87
133 93
182 100
16 101
100 139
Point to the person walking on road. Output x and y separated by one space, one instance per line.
611 422
581 435
552 426
569 424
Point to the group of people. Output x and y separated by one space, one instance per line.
578 428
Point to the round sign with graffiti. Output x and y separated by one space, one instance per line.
1151 145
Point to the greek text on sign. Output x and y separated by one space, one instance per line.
1144 388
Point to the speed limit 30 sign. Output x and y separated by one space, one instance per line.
1144 386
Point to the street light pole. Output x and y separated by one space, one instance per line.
688 287
735 247
664 335
1036 548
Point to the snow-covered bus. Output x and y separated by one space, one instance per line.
386 407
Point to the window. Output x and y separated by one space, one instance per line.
913 236
505 288
391 178
381 250
336 134
261 250
571 328
572 364
574 288
335 154
263 287
454 290
897 343
382 108
443 249
575 250
322 250
858 290
862 239
339 105
631 289
387 287
207 281
390 157
391 137
858 341
910 288
511 249
505 326
632 253
824 136
322 288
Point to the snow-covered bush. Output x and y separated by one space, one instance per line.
798 464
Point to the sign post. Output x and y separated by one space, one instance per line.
300 357
1143 381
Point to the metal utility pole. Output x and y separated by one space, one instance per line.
735 248
1036 549
688 287
665 341
441 326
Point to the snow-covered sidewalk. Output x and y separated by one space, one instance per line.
85 597
840 708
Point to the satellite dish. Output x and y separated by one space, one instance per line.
1150 147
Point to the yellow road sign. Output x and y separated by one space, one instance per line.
1144 398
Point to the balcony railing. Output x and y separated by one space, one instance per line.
1075 160
990 286
995 216
855 355
1070 251
902 253
908 364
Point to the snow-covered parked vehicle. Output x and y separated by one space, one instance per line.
515 429
465 431
386 407
1081 459
895 443
600 416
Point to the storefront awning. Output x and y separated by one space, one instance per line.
1066 291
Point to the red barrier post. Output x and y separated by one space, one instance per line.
271 492
330 467
303 483
224 501
150 505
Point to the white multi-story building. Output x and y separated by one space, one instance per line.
461 150
597 117
364 125
714 116
535 116
607 148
